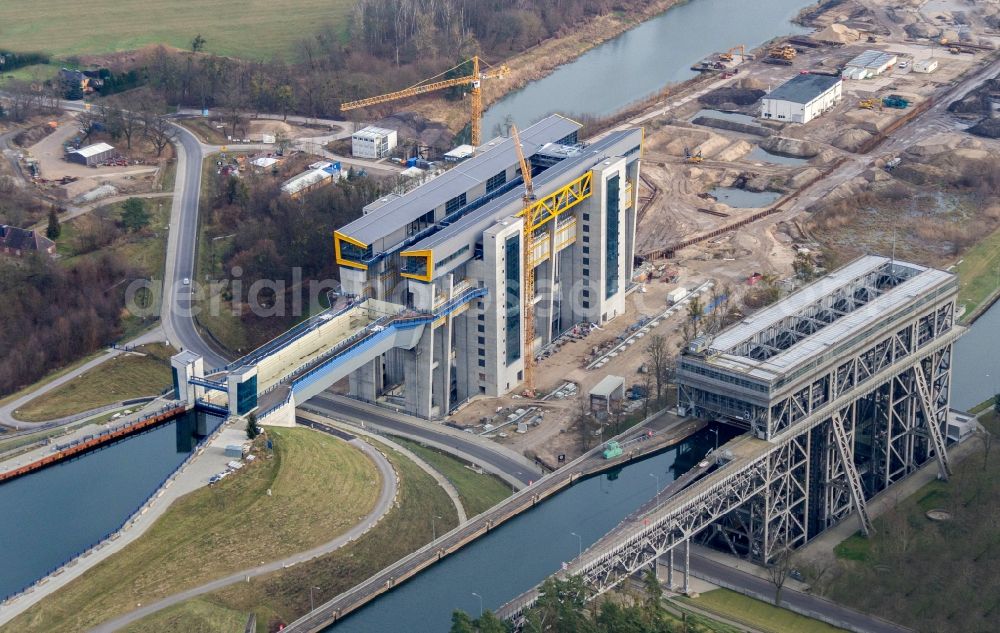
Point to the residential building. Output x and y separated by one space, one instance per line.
18 242
802 98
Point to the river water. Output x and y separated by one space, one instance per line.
645 59
54 514
524 551
976 374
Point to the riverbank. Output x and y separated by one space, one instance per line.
286 495
541 60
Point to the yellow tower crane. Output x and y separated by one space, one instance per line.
528 264
429 85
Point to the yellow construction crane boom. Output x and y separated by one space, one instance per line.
475 79
528 275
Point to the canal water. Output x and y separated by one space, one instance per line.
743 199
645 59
524 551
52 515
976 374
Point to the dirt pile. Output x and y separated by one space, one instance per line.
922 30
990 128
852 140
838 34
415 126
789 147
729 97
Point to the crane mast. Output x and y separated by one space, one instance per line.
528 274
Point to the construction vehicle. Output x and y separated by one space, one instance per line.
954 50
895 101
728 55
692 158
528 265
429 85
870 104
782 52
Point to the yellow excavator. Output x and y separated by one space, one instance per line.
870 104
692 158
728 55
430 85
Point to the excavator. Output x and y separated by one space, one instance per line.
429 85
728 55
870 104
692 158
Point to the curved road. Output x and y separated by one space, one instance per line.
386 499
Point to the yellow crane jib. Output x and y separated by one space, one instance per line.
475 80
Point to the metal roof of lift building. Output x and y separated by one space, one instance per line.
382 218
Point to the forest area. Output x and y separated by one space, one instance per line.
53 314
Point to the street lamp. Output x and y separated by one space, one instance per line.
434 527
311 607
580 543
657 477
480 603
716 431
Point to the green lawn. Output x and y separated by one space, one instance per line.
929 575
477 492
259 29
220 529
760 615
283 596
978 273
193 616
121 378
36 73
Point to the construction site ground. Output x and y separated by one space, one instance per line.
833 166
134 178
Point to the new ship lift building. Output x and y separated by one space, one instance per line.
453 248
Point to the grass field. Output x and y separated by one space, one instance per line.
979 272
283 596
760 615
477 492
932 575
121 378
193 616
259 29
221 529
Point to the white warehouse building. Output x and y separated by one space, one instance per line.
373 142
802 98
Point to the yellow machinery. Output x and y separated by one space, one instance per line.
528 264
870 104
428 85
728 55
692 158
782 52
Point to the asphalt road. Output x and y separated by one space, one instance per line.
713 571
484 451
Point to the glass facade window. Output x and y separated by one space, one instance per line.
611 237
454 204
512 251
494 182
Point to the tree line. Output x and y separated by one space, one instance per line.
52 314
564 606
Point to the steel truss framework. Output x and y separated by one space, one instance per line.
853 371
822 312
802 484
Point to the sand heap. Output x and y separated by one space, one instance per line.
837 33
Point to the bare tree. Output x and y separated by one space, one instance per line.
160 133
778 572
658 360
130 121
